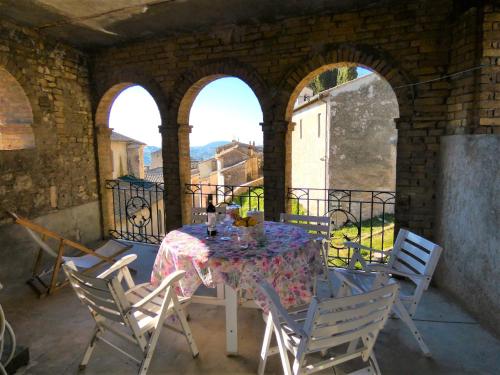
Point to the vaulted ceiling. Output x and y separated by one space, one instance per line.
98 23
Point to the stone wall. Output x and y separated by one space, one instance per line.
363 135
468 219
405 42
58 175
80 223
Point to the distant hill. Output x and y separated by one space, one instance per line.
148 150
197 152
207 151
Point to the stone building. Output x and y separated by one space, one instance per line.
345 138
441 58
127 156
156 160
238 163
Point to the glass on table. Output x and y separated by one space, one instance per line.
227 223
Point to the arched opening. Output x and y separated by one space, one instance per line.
221 138
127 121
343 159
16 117
134 117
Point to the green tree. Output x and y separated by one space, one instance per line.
346 74
324 81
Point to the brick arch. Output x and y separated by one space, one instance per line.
354 55
16 112
108 91
192 82
176 133
345 55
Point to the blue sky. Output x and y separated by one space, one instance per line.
225 109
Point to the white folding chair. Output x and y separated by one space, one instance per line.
135 315
343 328
199 214
6 331
45 280
319 228
413 258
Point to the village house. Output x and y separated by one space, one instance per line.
345 138
127 156
234 163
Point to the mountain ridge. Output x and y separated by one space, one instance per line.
196 152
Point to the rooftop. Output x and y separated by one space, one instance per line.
117 137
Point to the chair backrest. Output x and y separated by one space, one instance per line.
355 319
317 226
199 214
105 298
414 254
332 323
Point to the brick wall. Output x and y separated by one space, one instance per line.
53 80
405 42
489 92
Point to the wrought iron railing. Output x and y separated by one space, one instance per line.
366 217
138 210
361 216
246 196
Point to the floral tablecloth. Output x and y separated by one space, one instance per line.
287 258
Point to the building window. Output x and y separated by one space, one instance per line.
319 125
300 126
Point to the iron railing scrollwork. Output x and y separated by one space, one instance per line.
246 196
361 216
138 210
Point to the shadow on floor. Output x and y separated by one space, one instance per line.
57 330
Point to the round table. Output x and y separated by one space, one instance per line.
287 258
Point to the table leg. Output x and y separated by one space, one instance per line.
231 320
220 291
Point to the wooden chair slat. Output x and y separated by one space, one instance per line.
340 316
93 282
419 253
110 314
97 296
337 340
419 240
417 266
348 325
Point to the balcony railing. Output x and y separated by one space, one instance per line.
366 217
138 210
362 216
246 196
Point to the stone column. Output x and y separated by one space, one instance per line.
170 162
185 171
277 166
105 169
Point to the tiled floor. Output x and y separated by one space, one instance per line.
57 329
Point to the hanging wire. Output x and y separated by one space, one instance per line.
445 76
